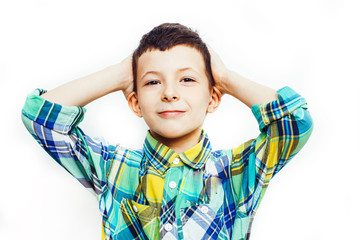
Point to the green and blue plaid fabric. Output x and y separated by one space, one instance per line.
156 193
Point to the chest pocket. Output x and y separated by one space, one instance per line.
201 222
136 221
206 220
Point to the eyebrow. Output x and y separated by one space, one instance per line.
178 71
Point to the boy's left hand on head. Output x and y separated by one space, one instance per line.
219 70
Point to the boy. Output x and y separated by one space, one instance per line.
176 187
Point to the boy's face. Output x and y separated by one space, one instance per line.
173 92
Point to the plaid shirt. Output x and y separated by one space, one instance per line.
156 193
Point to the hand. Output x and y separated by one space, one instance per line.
219 70
125 75
232 83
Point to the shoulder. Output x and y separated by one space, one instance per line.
124 160
125 155
123 173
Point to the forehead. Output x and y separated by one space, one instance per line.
177 57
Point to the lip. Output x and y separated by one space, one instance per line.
171 113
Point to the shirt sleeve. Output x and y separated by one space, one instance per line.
285 126
55 128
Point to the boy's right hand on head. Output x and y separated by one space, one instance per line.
125 75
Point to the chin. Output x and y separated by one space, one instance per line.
170 134
174 133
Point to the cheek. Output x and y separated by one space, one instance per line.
200 103
144 105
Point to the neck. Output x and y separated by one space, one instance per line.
179 144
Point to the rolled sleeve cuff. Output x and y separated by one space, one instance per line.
287 102
54 116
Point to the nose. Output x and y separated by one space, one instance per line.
169 93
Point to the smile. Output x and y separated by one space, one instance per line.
171 113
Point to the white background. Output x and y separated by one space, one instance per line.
309 45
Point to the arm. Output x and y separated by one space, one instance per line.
84 90
285 125
55 125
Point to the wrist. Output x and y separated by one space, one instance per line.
225 83
119 79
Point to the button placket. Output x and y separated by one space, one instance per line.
173 176
172 181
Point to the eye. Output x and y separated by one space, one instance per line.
187 80
152 82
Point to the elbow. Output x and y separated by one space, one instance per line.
304 121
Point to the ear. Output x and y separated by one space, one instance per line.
214 100
134 104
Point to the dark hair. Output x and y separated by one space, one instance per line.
166 36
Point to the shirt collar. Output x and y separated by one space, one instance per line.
161 156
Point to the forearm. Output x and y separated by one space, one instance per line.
247 91
230 82
82 91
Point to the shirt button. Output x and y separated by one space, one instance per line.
135 208
172 184
204 209
176 161
168 227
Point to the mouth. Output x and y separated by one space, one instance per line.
171 113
